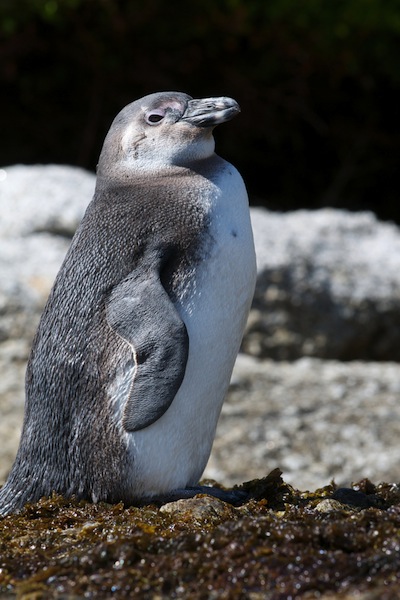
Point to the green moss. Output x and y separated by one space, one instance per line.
278 544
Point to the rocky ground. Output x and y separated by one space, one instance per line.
328 290
277 544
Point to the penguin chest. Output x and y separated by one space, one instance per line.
213 303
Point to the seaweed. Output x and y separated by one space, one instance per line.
279 543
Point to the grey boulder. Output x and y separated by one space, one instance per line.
328 286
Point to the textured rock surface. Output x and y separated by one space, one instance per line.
40 209
316 420
328 280
328 285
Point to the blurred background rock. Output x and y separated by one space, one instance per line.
316 391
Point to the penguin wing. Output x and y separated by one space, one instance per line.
140 311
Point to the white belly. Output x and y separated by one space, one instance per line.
173 452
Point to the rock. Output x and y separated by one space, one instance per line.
41 207
328 280
316 420
328 506
203 509
43 199
328 286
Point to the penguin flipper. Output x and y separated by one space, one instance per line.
141 312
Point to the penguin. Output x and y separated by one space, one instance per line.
136 345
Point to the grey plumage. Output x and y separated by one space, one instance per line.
111 349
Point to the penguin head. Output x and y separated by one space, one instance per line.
163 130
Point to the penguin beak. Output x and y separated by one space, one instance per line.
209 112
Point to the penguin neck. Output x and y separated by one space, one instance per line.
125 175
200 150
156 159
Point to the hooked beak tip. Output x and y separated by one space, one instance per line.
210 112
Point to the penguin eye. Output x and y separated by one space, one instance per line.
155 117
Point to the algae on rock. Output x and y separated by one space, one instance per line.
279 543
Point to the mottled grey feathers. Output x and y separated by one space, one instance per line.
111 350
